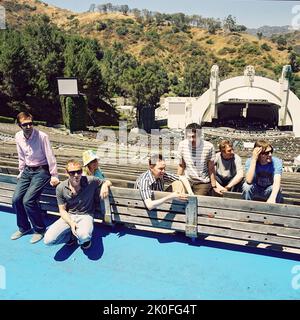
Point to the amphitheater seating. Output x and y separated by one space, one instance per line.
125 176
277 225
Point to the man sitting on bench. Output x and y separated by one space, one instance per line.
229 170
37 166
76 203
155 178
263 174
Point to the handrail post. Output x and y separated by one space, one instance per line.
191 218
107 213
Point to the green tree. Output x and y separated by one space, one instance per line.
45 44
295 84
147 83
259 35
281 42
116 66
213 26
15 68
195 79
294 61
229 23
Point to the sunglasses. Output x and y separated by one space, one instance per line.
26 124
267 152
72 173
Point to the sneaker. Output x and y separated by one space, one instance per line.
36 237
71 241
18 234
86 245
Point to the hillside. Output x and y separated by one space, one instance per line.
149 41
137 55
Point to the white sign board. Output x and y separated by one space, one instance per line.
67 86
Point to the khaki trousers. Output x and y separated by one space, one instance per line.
202 189
176 186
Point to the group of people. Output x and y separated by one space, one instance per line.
75 196
200 172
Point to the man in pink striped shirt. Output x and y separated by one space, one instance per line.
37 166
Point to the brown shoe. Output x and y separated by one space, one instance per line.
18 234
36 237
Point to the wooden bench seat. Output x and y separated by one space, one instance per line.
292 198
258 222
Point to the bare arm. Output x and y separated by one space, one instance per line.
220 189
275 188
152 204
235 180
212 172
181 168
186 184
105 189
250 173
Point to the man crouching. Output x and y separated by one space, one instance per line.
76 203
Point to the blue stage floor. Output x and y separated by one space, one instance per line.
132 264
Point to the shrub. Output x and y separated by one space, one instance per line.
148 51
209 41
74 111
39 123
99 26
249 48
265 47
128 21
7 120
122 31
271 58
240 62
226 50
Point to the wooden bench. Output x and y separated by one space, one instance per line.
125 178
289 197
224 218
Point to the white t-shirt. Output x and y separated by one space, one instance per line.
196 160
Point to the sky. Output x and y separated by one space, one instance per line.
251 13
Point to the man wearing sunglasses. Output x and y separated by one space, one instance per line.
76 198
263 174
37 166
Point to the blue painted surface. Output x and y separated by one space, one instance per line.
131 264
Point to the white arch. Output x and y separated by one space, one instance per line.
260 88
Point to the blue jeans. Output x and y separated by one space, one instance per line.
25 199
253 191
223 183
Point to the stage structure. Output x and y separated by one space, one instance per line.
249 98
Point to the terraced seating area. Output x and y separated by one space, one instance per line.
124 175
275 225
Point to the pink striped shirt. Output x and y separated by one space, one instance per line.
35 151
